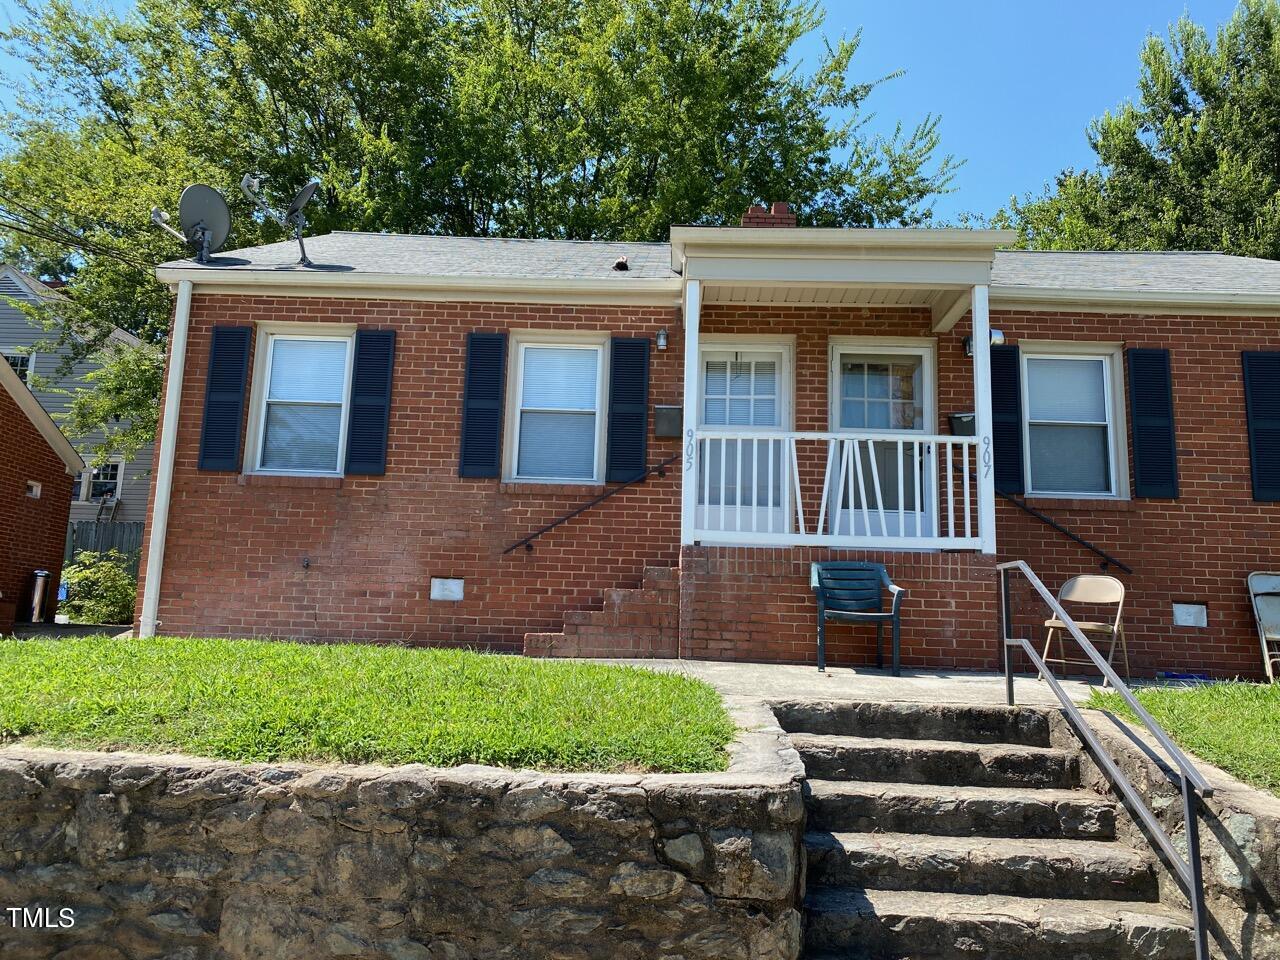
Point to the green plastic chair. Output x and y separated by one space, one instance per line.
850 592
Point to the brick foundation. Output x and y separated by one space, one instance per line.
757 605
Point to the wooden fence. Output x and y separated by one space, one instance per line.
103 535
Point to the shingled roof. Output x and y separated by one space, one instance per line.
1125 274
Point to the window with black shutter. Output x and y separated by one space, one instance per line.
224 392
628 426
370 410
1006 418
482 392
1155 454
1262 409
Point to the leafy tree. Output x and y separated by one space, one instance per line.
577 119
1194 164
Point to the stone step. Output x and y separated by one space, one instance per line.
1064 869
860 806
971 723
890 924
943 762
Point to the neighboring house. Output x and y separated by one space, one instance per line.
358 447
37 467
116 490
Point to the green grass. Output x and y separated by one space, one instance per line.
267 701
1235 726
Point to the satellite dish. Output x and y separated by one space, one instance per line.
292 217
204 217
301 200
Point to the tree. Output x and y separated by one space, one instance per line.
577 119
1194 164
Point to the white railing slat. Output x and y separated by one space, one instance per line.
846 492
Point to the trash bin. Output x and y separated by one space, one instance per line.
38 592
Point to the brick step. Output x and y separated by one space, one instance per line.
891 924
1063 869
662 578
959 811
970 723
943 762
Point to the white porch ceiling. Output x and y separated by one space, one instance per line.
834 294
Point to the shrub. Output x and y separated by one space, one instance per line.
100 588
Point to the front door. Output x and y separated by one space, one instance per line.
740 484
882 393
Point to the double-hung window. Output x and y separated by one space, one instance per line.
104 482
557 419
21 364
303 410
1071 437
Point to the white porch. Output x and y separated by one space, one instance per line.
882 474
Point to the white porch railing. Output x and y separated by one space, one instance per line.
881 490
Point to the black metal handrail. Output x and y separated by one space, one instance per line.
1046 519
1191 782
660 469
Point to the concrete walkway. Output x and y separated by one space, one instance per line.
767 681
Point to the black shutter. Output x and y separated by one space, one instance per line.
1006 418
628 440
370 410
224 398
1262 408
1155 452
481 454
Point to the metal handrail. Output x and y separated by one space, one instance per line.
660 469
1049 521
1192 784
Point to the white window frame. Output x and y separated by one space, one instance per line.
25 377
924 347
267 335
1111 355
87 480
784 346
522 340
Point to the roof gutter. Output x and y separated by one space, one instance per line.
294 281
1147 301
164 471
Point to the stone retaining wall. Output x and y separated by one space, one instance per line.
1239 840
180 858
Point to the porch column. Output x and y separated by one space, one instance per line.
982 411
688 477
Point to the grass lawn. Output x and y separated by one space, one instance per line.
266 701
1235 726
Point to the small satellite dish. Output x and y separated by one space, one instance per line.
204 217
292 217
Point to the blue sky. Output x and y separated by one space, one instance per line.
1015 82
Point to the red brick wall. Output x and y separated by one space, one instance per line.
33 532
756 605
1197 548
236 545
235 549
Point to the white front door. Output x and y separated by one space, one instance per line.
740 483
882 392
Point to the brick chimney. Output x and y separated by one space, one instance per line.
778 215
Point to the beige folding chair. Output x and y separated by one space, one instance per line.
1092 590
1264 592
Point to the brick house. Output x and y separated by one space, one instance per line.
361 449
38 466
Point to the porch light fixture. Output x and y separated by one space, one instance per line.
662 339
997 339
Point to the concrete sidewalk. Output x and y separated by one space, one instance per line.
768 681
